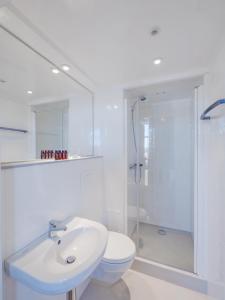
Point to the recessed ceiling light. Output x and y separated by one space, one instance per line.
65 68
29 92
55 71
157 61
155 31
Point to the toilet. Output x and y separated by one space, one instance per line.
118 257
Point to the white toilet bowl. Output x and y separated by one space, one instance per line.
117 259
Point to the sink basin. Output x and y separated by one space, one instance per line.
57 266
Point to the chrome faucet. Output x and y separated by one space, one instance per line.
55 226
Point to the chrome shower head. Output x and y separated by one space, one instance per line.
140 98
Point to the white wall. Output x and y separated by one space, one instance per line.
110 142
14 145
213 152
109 137
166 146
32 195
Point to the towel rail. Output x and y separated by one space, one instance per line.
13 129
211 107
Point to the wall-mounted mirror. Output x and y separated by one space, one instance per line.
41 107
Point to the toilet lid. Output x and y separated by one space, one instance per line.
120 248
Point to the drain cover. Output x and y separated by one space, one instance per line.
162 231
70 259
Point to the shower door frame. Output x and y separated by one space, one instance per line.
126 168
197 201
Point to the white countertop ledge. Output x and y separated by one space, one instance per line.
27 163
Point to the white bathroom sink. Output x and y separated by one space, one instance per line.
56 266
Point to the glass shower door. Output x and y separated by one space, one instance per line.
161 151
134 171
166 192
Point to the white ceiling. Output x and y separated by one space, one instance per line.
110 40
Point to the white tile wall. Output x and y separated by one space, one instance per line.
213 152
167 151
32 195
165 140
110 142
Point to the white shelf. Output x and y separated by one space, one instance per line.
25 163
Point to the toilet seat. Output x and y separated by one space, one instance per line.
120 249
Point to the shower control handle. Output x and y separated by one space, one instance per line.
134 166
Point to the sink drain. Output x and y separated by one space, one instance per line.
70 259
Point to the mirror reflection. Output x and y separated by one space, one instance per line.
42 108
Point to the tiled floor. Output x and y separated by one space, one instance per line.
138 286
174 249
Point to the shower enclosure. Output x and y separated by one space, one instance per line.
161 152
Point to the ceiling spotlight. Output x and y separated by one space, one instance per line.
157 61
65 68
155 31
55 71
29 92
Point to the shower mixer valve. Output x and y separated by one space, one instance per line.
134 166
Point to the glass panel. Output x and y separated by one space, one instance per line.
167 194
51 126
132 175
161 180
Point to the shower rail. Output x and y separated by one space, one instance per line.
211 107
13 129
